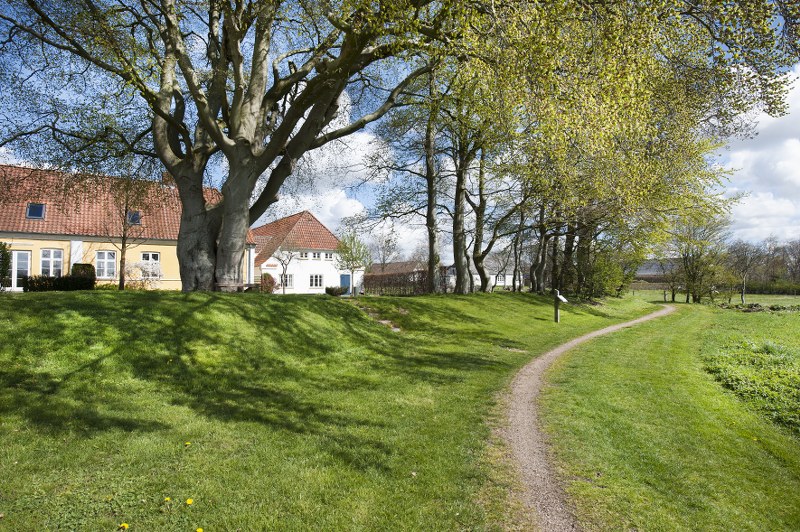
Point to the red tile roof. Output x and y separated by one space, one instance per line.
85 205
408 266
301 231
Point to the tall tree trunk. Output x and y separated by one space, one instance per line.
555 272
582 256
459 235
479 208
431 178
568 266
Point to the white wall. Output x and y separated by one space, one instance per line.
301 271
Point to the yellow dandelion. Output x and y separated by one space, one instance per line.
199 530
167 499
190 501
187 444
123 526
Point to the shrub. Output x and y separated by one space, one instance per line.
5 266
41 283
268 283
80 269
335 291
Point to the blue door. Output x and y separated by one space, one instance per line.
344 280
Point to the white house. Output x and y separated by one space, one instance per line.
308 251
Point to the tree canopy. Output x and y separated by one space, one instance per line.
600 98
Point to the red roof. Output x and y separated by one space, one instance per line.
301 231
86 205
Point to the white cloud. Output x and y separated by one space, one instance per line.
768 168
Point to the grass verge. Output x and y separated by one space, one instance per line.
647 440
266 412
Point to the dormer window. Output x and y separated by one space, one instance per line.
133 218
35 211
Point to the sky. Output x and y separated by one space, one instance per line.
767 169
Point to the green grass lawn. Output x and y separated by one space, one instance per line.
267 412
761 299
648 437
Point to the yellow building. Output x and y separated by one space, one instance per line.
51 223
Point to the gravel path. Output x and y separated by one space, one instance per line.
541 492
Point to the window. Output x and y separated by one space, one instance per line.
134 218
329 256
315 255
151 265
52 262
35 211
287 281
315 281
303 255
106 264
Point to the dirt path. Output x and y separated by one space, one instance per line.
542 491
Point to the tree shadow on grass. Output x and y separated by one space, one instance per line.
284 362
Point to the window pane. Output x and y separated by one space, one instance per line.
45 254
35 210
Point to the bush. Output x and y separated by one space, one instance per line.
80 269
268 283
67 283
5 266
336 291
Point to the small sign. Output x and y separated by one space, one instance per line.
271 265
562 298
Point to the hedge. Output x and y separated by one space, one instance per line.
67 283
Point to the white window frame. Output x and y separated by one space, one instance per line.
153 268
304 254
288 279
109 258
316 255
328 256
315 280
15 271
51 261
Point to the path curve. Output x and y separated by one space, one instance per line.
541 490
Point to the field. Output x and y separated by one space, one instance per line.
263 412
689 422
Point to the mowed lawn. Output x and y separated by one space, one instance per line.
648 438
262 412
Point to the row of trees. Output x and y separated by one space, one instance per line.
703 262
568 127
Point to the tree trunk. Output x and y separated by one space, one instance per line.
197 236
233 235
568 267
459 236
555 274
123 249
434 272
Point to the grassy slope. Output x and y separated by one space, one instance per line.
302 412
649 441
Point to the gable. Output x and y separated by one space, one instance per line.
300 231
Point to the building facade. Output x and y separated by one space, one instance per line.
51 221
299 252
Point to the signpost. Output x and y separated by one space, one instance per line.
557 300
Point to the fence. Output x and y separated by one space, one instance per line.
399 284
